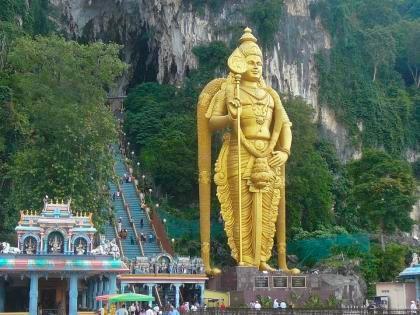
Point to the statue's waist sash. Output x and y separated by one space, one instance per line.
247 158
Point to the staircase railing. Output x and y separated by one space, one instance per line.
161 233
130 218
159 230
159 236
117 237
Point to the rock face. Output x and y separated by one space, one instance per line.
246 283
158 36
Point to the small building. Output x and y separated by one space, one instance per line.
169 279
54 265
398 294
413 273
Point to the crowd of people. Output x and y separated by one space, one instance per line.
144 309
123 233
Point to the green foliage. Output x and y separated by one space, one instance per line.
307 207
265 16
161 122
32 16
211 57
380 46
265 301
57 128
320 246
12 9
368 36
333 231
383 190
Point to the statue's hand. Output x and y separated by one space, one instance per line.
278 158
233 107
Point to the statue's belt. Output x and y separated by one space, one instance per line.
258 144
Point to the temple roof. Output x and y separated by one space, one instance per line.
410 272
56 214
55 263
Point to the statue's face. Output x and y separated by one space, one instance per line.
254 68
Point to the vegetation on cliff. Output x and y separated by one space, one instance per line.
54 126
371 75
55 129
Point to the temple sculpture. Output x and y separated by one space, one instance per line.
250 169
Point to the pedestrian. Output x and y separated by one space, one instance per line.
132 309
113 196
101 310
141 223
122 310
119 225
173 311
150 238
257 305
149 311
413 307
131 240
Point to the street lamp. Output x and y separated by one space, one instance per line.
138 169
150 195
166 227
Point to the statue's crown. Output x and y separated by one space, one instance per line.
248 44
247 36
247 47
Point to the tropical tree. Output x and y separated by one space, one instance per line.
380 47
60 129
383 190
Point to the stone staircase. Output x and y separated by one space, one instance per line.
131 251
133 201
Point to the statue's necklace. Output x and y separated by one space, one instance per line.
260 107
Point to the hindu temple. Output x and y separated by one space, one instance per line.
55 265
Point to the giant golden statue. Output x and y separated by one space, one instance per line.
249 172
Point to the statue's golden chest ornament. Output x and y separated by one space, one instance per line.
250 169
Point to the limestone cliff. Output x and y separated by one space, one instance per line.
158 36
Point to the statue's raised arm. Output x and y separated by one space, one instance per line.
249 172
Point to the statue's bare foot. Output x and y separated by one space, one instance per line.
211 272
293 271
266 267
